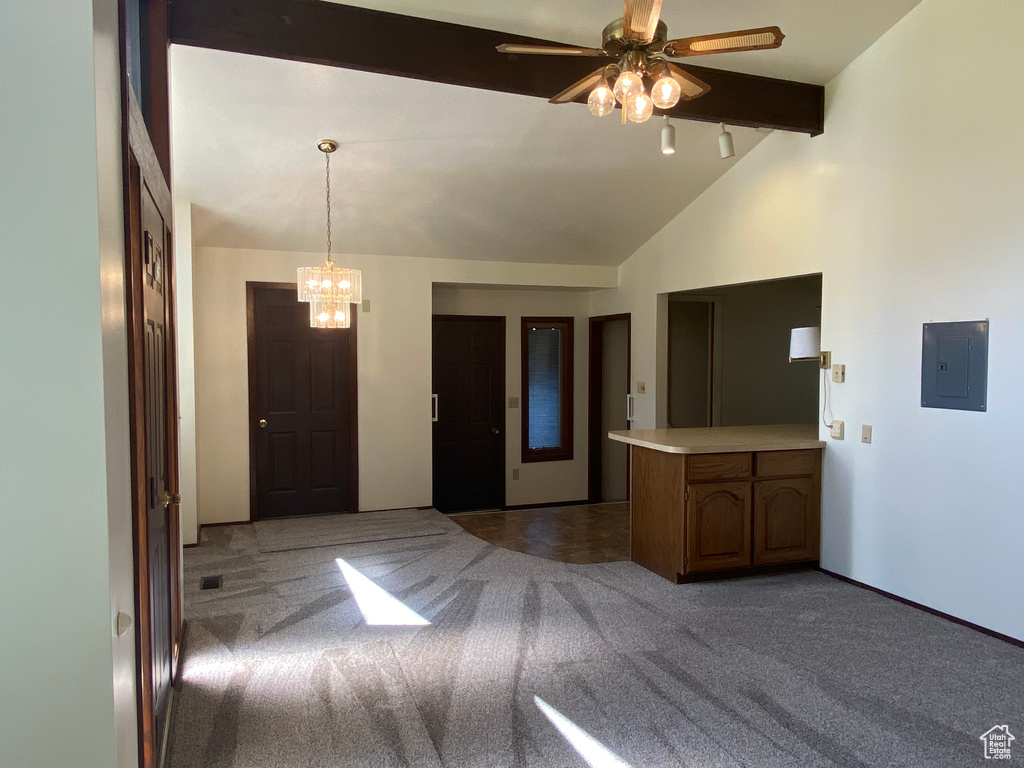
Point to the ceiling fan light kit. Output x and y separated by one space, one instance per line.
645 79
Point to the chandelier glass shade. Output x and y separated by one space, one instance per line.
330 290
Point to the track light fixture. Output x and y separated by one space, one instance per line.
668 138
726 148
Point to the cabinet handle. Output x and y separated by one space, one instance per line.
629 408
433 407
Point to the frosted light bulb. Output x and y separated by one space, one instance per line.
345 284
324 316
312 284
639 108
601 101
628 85
326 284
666 92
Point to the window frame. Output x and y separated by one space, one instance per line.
563 452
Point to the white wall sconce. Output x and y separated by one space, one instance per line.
805 344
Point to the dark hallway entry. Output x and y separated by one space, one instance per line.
302 409
609 407
468 412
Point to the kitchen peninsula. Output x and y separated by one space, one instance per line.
723 500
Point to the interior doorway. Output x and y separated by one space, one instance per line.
691 354
728 354
610 407
303 441
468 371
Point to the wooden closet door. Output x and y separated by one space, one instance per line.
718 525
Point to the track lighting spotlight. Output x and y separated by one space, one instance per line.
726 148
668 138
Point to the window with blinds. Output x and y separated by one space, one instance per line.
547 388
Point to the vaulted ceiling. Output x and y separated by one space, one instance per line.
430 169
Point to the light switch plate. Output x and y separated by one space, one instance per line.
641 388
838 373
365 306
865 433
837 431
515 474
513 402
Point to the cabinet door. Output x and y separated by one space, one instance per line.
786 521
717 526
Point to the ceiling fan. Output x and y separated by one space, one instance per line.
639 40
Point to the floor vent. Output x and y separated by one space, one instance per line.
211 582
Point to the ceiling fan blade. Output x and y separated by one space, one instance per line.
550 50
640 19
574 90
726 42
692 87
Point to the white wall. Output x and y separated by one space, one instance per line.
394 366
909 205
546 481
67 693
187 475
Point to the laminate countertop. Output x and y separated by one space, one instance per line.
774 437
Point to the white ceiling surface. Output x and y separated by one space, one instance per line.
433 170
822 36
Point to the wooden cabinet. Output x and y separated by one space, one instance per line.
718 526
786 521
742 510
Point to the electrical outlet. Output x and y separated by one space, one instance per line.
515 474
865 433
641 388
836 431
513 402
838 373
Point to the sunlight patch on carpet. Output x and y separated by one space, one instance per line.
590 749
377 606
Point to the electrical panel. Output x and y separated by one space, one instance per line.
954 366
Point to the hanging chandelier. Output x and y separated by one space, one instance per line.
330 290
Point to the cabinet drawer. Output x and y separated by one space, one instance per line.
785 463
717 466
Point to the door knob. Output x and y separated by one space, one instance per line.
171 498
495 431
263 423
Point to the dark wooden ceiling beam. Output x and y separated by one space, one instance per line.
406 46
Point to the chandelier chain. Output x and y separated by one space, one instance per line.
328 208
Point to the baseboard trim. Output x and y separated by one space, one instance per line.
926 609
546 505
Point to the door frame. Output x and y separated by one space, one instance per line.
251 286
500 321
595 377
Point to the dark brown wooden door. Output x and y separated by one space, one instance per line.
718 526
785 521
469 412
160 450
302 408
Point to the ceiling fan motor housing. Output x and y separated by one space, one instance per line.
616 43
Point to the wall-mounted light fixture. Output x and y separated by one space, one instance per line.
805 344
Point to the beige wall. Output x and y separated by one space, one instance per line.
67 696
539 482
394 366
909 205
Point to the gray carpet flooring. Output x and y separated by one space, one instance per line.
282 669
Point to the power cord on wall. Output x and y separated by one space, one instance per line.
826 391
